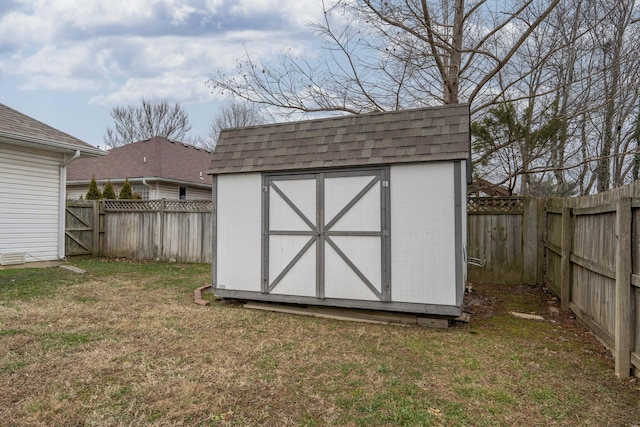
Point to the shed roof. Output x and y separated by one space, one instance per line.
157 157
19 128
419 135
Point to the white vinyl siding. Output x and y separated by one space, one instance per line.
76 192
172 192
167 191
29 202
196 193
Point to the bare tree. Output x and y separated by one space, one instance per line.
232 115
619 79
393 54
542 103
569 68
138 122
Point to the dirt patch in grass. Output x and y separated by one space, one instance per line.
126 346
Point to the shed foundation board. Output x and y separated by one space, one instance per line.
429 309
351 315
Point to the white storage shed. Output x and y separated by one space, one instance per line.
365 211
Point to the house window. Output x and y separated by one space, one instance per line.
183 193
142 190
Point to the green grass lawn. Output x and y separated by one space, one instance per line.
124 344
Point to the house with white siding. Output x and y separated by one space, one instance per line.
156 168
33 162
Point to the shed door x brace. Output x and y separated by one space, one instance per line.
326 235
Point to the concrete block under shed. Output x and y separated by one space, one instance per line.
430 322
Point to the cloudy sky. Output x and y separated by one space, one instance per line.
68 62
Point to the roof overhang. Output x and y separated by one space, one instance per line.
47 145
431 134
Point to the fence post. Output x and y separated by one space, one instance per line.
565 275
161 231
102 221
622 332
95 232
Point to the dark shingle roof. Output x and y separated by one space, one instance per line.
428 134
157 157
20 127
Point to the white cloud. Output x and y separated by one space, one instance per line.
55 68
117 52
181 14
18 30
169 86
174 67
297 12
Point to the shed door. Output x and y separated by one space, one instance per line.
326 235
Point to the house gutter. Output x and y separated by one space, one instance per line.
62 194
14 138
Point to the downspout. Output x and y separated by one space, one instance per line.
62 202
144 182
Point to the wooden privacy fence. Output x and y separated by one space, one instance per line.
593 264
586 250
506 234
177 230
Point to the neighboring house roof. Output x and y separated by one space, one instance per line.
155 158
428 134
18 128
481 185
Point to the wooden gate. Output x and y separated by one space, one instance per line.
496 235
325 235
79 225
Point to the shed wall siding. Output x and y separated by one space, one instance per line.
422 234
239 231
29 209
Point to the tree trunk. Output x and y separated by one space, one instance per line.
452 86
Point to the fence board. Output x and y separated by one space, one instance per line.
187 236
635 341
553 249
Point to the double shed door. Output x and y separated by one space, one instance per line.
326 235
